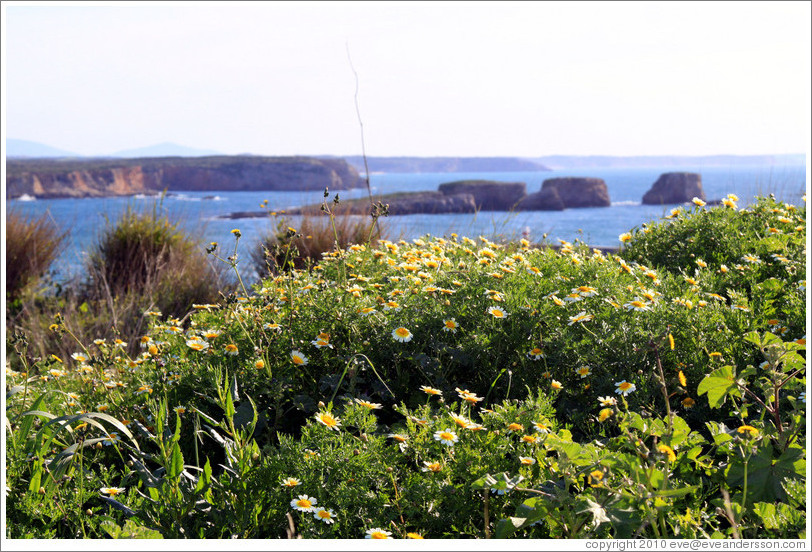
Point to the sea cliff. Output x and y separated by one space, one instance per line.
98 177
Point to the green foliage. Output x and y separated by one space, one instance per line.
444 387
32 245
316 234
147 255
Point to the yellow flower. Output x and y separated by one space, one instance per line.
595 477
430 390
698 202
529 439
668 451
328 420
748 429
688 402
231 349
605 414
450 325
290 482
556 385
414 536
367 404
496 312
515 427
542 427
304 503
402 334
626 237
580 317
298 358
461 421
671 341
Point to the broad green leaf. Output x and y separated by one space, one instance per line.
596 510
679 491
485 482
720 433
680 432
506 527
718 384
778 516
25 425
130 530
564 435
36 478
229 406
753 338
175 466
767 476
204 479
693 453
572 451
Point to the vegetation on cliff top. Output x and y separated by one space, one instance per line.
15 167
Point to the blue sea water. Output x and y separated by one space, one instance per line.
84 219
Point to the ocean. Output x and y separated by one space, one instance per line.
200 212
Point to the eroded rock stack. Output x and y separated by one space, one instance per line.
676 187
578 191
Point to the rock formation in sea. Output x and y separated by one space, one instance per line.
579 191
544 200
489 195
676 187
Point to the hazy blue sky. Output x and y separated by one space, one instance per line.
523 79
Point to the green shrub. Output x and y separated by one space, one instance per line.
316 233
147 255
142 262
32 245
602 396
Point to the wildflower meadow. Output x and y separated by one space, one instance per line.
442 387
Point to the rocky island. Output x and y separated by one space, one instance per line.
676 187
102 177
470 196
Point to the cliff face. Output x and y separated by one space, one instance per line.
108 177
81 183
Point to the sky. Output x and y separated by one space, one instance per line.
520 79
